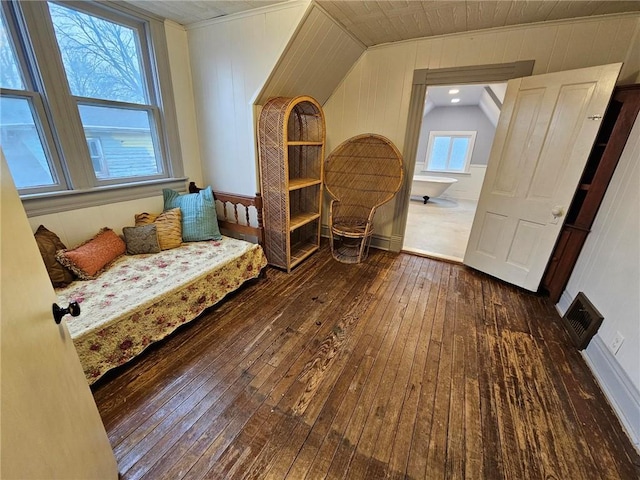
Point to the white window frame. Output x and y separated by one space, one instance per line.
471 135
58 116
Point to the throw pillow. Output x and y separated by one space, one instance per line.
199 219
48 244
168 225
143 239
90 258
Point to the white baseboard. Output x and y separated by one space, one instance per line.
617 387
564 303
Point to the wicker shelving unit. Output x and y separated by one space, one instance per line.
291 139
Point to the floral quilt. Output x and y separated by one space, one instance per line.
141 299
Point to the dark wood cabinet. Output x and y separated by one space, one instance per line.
610 141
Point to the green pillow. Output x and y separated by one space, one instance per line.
199 219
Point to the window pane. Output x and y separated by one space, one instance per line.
10 76
22 145
101 58
439 153
458 154
120 142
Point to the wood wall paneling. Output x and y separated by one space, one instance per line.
230 60
316 59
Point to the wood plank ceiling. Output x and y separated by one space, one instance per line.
376 22
186 12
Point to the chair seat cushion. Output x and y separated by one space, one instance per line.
350 227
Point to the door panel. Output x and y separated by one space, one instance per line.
541 145
571 108
524 120
492 230
51 427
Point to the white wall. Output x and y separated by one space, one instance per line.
184 100
231 60
608 272
464 118
374 97
76 226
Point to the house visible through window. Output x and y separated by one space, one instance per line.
96 65
450 151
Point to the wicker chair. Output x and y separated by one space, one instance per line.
363 173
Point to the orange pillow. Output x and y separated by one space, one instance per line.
90 258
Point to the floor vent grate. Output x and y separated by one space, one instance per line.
582 321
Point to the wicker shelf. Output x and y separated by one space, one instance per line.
308 144
300 219
301 251
291 137
295 184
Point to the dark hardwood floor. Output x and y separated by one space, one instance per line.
402 367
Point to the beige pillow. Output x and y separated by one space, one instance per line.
168 226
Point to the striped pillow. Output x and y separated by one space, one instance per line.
199 220
168 226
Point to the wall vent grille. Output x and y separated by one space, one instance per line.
582 321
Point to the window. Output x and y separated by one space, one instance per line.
25 140
84 103
450 151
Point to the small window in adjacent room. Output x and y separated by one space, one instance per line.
97 157
450 151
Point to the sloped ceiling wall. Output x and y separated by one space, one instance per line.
317 58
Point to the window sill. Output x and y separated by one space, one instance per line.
43 204
448 172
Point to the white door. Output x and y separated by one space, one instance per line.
546 130
51 427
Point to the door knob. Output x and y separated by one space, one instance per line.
58 312
557 211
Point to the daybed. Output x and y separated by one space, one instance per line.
140 299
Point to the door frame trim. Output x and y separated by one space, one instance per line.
422 78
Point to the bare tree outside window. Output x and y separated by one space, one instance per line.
10 76
102 60
101 57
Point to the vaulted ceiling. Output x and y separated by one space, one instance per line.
376 22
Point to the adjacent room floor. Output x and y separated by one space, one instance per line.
401 367
440 228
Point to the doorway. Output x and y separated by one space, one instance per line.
457 128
